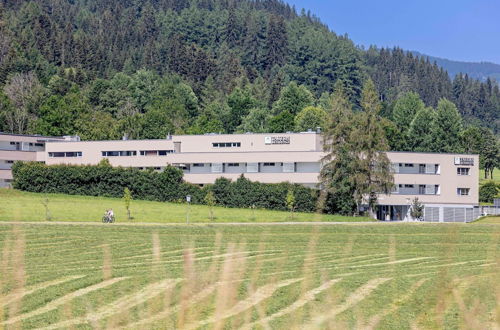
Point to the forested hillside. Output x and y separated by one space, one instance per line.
107 68
476 70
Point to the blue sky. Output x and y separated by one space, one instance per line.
466 30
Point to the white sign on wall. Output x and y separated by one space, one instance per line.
464 161
277 140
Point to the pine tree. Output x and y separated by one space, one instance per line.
420 134
373 168
276 42
448 128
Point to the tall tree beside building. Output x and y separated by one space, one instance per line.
337 186
373 168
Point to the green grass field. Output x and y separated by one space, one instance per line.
496 176
22 206
358 276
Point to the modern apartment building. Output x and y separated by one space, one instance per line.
15 147
447 184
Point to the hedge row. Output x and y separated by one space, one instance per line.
167 186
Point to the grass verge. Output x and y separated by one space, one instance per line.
23 206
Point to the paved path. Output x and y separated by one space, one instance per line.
208 224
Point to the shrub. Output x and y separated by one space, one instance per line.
488 191
166 186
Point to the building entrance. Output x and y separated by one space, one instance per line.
392 212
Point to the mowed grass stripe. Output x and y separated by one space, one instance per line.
354 298
8 299
257 297
301 302
120 305
375 320
54 304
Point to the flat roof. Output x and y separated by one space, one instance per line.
32 135
432 153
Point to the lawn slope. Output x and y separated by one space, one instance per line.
23 206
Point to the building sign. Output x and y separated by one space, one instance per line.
464 161
277 140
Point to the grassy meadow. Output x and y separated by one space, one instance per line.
23 206
365 276
496 176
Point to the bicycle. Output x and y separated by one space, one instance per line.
108 219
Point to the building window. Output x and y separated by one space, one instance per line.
233 165
198 165
409 186
269 164
463 191
119 153
39 144
14 143
155 152
463 170
408 165
65 154
226 144
9 162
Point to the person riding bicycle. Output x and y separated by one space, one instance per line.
109 216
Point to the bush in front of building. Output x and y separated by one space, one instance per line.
166 186
488 191
247 194
103 180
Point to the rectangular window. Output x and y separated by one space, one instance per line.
463 171
226 144
409 186
252 167
408 165
119 153
198 165
269 164
9 162
14 143
217 168
233 164
39 144
155 152
463 191
65 154
288 167
421 189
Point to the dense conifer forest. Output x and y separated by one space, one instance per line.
146 68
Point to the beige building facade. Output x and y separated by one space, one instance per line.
447 184
16 147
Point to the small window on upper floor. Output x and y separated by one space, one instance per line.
463 191
463 171
198 165
269 164
408 165
39 144
226 144
233 164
